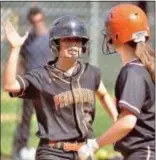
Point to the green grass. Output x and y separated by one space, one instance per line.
102 123
13 106
9 105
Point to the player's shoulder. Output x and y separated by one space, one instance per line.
127 69
38 69
91 68
39 72
134 69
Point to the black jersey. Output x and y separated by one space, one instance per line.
67 103
135 92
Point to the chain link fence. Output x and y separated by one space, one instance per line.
92 13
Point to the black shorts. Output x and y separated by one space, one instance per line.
141 154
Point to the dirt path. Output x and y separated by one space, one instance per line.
4 157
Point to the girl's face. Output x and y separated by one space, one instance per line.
70 47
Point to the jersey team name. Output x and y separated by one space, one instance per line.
79 95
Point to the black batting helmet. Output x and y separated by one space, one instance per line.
67 27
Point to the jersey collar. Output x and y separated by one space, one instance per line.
59 74
135 61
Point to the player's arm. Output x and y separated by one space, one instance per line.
125 123
107 101
10 83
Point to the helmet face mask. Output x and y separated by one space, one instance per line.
55 47
67 27
107 45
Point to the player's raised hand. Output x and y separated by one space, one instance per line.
13 37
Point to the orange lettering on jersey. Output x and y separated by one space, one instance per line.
81 95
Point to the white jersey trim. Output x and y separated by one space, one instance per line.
132 60
129 105
24 86
137 64
134 63
148 153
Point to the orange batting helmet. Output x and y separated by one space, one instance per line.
126 22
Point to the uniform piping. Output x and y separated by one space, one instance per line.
148 153
133 107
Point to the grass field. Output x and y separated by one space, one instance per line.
11 112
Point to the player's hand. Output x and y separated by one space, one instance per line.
13 37
87 151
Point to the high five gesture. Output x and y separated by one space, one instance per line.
13 37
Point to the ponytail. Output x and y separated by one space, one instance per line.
147 56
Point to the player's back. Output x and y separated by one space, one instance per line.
135 91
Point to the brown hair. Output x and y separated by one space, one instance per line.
146 55
33 11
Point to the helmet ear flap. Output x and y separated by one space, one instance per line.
54 46
84 50
85 46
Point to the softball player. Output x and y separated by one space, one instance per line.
133 134
65 89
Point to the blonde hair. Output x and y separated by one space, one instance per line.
147 56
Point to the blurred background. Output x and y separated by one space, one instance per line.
93 14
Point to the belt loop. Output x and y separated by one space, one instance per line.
58 144
62 145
